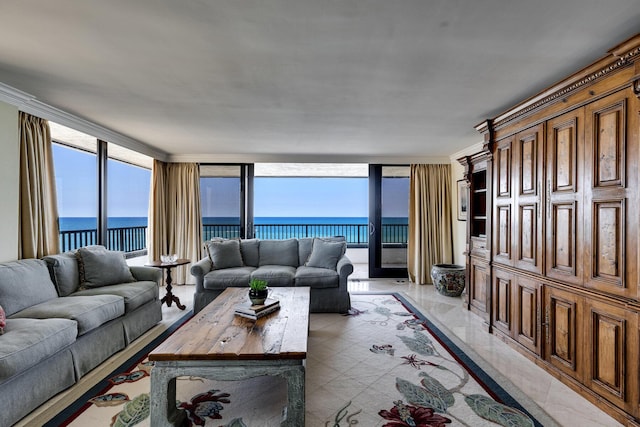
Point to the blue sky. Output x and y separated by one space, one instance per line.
304 197
288 197
76 185
311 197
128 192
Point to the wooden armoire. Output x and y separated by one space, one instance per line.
553 227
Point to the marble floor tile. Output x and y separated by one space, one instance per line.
567 407
564 405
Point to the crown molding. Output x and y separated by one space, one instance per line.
14 96
30 104
311 158
473 149
621 56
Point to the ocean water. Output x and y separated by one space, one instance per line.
89 223
354 229
303 220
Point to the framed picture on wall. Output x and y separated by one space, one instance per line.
463 201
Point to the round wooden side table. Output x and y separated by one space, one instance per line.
169 297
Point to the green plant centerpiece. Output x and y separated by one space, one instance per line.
258 291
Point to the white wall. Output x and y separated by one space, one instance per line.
9 182
459 227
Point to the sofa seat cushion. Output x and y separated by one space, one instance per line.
27 342
135 294
275 275
315 277
88 311
229 277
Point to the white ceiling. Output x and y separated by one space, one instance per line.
300 80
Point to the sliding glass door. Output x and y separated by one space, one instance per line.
226 201
388 220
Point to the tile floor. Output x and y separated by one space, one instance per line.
564 405
559 401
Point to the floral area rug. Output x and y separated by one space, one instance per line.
384 364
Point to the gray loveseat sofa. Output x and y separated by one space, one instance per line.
320 264
59 328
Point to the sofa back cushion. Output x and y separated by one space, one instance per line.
63 269
24 283
250 249
279 252
101 267
305 244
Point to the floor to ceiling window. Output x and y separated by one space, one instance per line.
128 186
295 200
75 166
222 200
311 200
128 176
389 220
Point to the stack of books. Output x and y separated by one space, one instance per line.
255 312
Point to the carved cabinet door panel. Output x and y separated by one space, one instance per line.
527 177
503 203
611 359
527 313
608 200
563 331
502 300
478 286
563 194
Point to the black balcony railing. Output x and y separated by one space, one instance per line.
133 239
357 235
126 239
226 231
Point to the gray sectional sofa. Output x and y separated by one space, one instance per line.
59 327
318 263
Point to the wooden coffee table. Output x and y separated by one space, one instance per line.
216 344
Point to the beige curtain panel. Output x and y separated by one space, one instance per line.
38 209
175 216
157 211
430 228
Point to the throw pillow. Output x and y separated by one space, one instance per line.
225 254
205 245
326 254
103 267
3 320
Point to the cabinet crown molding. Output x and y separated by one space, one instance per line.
623 55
